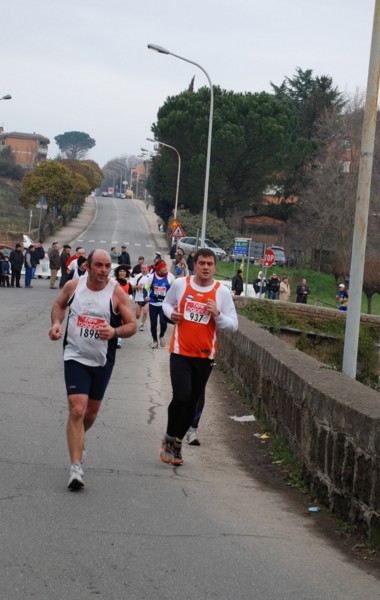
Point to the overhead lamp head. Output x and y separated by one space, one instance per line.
6 97
151 140
159 49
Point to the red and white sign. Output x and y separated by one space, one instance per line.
178 232
269 258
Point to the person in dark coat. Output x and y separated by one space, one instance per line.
237 283
17 260
124 258
302 292
64 257
273 287
190 262
30 265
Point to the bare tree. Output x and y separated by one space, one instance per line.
371 281
326 211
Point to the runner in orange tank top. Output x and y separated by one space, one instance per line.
198 306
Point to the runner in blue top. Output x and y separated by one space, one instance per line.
157 287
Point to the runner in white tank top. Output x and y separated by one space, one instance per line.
100 311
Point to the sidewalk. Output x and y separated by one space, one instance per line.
75 227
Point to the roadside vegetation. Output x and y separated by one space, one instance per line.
323 285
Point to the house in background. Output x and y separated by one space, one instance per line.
28 148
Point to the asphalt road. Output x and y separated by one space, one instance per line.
140 529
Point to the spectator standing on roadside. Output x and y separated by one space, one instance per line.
64 257
273 287
173 250
237 283
54 264
17 260
114 254
302 292
260 286
30 264
190 262
124 258
342 296
181 268
40 254
285 289
179 256
5 267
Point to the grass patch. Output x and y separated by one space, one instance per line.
323 286
328 350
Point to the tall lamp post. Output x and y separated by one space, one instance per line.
147 158
208 157
178 171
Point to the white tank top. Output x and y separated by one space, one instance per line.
87 310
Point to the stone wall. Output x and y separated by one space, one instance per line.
330 422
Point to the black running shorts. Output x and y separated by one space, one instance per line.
82 379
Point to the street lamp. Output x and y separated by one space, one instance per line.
178 171
351 339
6 97
162 50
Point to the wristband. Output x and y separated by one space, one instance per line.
117 334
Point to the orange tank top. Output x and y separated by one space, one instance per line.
196 334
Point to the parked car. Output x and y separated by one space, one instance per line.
5 249
189 243
279 256
105 194
27 241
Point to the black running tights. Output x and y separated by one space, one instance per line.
189 377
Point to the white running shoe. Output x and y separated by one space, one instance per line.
162 342
154 344
76 479
192 437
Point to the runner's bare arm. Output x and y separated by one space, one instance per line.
58 310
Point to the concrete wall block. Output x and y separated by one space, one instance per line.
338 458
374 529
363 477
348 467
330 442
321 449
340 504
320 488
376 487
330 422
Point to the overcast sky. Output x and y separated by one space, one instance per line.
84 64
